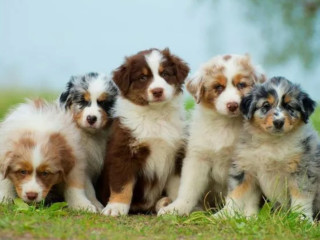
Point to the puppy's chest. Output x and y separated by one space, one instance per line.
271 165
272 158
95 149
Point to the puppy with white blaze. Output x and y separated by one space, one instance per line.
40 148
147 133
218 88
278 153
90 99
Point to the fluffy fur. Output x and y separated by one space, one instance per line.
90 99
147 133
40 148
278 153
218 89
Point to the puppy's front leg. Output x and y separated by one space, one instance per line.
243 196
74 192
302 199
7 191
194 180
91 194
119 201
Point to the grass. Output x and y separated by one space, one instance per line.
21 221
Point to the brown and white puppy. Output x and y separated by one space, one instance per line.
147 132
40 148
218 89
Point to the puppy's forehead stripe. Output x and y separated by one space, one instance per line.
154 59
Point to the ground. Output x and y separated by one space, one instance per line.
21 221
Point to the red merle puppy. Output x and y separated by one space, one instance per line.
147 133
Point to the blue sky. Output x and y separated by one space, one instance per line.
43 43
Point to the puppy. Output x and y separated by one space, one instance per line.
218 89
278 153
40 148
147 132
90 99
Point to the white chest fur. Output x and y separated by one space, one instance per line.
161 128
214 136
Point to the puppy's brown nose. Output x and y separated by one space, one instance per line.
232 106
157 92
32 195
91 119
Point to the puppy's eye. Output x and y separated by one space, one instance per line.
265 107
241 85
143 78
23 172
290 109
44 174
219 88
164 74
83 102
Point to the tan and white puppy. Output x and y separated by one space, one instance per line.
218 89
40 148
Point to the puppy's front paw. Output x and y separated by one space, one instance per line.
116 209
163 202
83 205
178 207
5 199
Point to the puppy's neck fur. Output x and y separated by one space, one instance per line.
165 121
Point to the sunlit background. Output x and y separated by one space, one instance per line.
43 43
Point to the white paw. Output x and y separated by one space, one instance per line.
178 207
116 209
225 212
98 205
85 205
5 199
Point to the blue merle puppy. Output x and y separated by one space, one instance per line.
278 153
90 99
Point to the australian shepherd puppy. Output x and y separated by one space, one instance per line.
218 89
40 148
278 153
147 132
90 99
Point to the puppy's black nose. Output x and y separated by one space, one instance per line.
32 195
157 92
278 124
91 119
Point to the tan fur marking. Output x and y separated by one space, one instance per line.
124 196
87 96
237 79
102 97
271 99
294 163
161 68
287 99
240 190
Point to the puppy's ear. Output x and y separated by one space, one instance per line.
59 148
259 76
121 77
182 68
5 164
308 106
65 97
247 106
196 88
